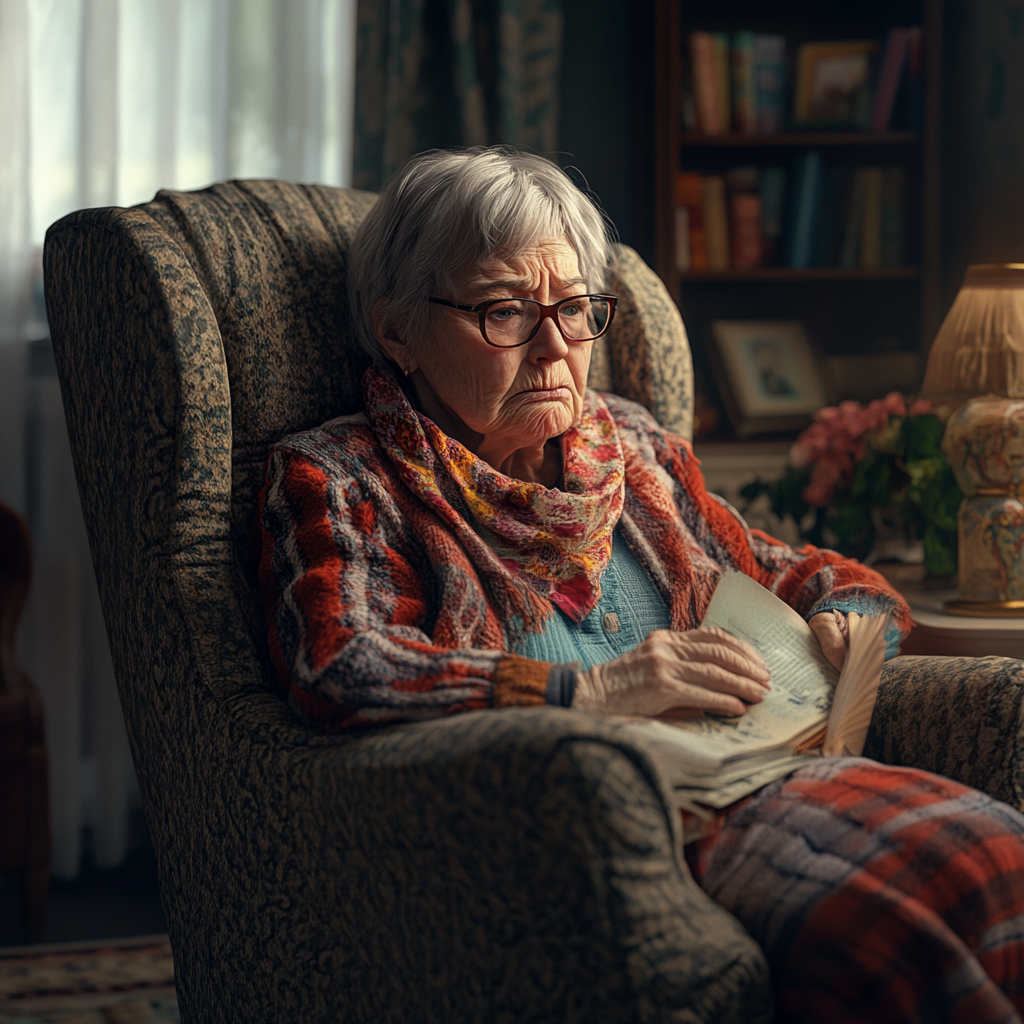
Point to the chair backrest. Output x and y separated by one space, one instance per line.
235 298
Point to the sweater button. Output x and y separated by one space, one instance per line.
611 623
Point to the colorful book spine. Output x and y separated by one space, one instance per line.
849 255
744 84
871 232
723 78
745 230
716 222
772 188
893 188
804 210
770 79
689 196
890 70
706 96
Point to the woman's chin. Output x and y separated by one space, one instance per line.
538 424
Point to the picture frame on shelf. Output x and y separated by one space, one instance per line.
833 85
768 375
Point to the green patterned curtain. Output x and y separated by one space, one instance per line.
439 73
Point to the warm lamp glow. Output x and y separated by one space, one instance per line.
980 346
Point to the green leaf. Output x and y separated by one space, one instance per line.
852 526
889 440
923 437
754 490
788 494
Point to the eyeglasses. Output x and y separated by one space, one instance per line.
508 323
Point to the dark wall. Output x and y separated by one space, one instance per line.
983 136
596 132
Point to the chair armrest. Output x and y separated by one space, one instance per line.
517 864
958 717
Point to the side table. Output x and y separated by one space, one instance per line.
935 632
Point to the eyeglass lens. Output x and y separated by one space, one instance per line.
512 321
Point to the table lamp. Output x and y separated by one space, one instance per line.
976 367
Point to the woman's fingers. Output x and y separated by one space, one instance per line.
684 674
715 677
715 646
830 636
714 635
700 700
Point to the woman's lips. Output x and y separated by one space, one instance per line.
556 393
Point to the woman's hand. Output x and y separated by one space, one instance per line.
685 673
833 633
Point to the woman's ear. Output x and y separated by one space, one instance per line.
395 347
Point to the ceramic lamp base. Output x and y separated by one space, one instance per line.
984 444
986 609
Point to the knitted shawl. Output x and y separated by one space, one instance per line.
558 539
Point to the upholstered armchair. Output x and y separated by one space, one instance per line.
510 865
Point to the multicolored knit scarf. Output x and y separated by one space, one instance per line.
559 539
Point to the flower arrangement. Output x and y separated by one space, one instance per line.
857 468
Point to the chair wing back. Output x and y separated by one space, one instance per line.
271 257
646 356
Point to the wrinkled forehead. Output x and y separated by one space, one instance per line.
552 260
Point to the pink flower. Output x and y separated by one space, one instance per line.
895 404
825 479
834 443
921 407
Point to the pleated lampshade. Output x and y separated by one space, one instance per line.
979 349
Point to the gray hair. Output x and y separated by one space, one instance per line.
445 210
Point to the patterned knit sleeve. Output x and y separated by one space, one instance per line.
809 579
348 608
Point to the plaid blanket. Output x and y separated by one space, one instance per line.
878 894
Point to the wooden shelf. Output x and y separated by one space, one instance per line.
802 139
808 274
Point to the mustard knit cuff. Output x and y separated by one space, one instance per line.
521 681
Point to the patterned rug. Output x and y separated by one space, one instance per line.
120 981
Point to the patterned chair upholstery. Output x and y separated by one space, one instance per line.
498 866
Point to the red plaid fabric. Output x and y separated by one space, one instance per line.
878 894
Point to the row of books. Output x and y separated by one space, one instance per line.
738 83
809 215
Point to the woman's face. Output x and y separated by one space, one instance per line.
510 398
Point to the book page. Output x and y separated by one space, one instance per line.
802 678
713 760
854 701
729 792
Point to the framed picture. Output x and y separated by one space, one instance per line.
833 84
768 375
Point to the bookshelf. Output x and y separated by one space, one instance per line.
803 139
846 310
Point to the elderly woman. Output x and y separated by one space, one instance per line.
490 533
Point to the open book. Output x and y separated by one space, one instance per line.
713 760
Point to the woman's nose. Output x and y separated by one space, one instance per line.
548 342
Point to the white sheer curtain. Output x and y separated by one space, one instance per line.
103 102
